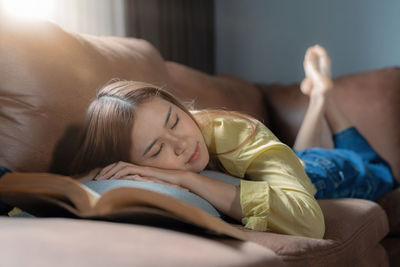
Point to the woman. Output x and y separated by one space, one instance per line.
139 132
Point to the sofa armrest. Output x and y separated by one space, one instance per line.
370 99
390 202
70 242
354 228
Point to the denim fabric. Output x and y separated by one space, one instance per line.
352 169
3 171
4 208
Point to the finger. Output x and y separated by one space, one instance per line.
106 169
110 172
126 170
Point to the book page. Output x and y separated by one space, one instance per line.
50 194
124 197
58 187
188 197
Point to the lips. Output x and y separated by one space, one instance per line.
195 154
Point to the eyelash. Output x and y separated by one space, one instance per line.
162 145
176 123
158 152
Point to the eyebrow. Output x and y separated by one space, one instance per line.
165 125
168 116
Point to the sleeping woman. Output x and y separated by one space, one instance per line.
137 131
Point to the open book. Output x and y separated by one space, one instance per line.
51 195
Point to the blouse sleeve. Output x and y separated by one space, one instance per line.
275 198
276 194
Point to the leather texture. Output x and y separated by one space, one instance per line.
68 242
346 241
47 78
370 100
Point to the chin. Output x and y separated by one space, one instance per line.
202 165
198 167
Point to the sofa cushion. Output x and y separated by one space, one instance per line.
222 91
390 202
69 242
392 246
353 227
47 78
49 75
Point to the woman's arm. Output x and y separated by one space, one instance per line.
285 202
223 196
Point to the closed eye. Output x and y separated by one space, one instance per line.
176 122
159 151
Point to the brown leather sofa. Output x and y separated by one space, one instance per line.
47 78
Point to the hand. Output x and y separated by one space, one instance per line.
224 196
129 171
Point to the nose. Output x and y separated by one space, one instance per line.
178 143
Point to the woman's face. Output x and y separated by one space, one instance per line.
164 136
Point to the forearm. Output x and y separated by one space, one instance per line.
223 196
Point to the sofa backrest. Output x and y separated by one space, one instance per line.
369 99
48 76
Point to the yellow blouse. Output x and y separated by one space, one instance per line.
276 194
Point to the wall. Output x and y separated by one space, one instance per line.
265 40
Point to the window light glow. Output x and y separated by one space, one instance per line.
41 9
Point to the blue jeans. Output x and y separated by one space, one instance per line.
4 208
351 170
3 171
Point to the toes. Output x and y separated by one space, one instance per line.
323 60
311 62
320 50
311 68
317 66
325 67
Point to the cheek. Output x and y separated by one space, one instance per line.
164 162
169 163
204 160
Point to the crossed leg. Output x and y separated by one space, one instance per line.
318 86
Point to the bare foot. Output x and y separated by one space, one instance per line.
317 66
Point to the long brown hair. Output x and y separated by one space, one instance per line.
108 123
109 119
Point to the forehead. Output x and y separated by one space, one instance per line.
151 107
149 121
